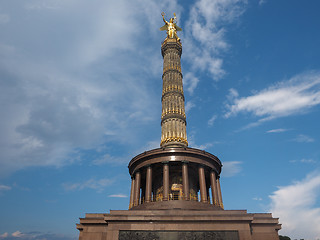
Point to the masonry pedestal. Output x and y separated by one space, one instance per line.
177 224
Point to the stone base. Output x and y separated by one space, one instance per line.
179 224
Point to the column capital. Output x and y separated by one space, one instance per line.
202 165
214 171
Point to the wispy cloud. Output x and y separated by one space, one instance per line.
98 185
118 196
304 160
278 130
293 96
203 146
4 188
4 235
88 88
18 234
190 82
79 91
303 139
231 168
257 199
298 199
261 2
206 36
212 120
35 236
189 105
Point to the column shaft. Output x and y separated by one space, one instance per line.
132 193
214 190
165 182
202 183
219 193
148 184
185 181
137 189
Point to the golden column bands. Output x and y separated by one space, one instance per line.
173 119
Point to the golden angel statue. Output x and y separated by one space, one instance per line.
171 27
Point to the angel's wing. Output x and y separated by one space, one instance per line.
164 28
178 28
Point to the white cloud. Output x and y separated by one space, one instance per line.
190 82
262 2
304 160
202 146
211 120
36 236
231 168
257 199
79 91
278 130
89 87
4 235
189 106
4 188
17 234
285 98
98 185
205 35
303 139
41 5
308 160
233 94
297 207
118 196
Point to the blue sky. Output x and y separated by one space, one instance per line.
80 94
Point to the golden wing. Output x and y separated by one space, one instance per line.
164 28
178 28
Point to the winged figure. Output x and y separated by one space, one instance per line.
171 27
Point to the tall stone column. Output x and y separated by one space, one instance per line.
132 193
148 184
165 181
137 189
208 195
214 190
185 181
219 193
202 183
173 118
